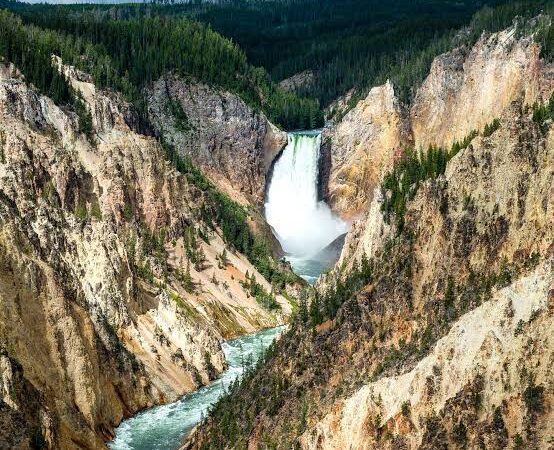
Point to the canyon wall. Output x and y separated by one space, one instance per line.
231 142
469 88
491 213
466 89
115 295
362 146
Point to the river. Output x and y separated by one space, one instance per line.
164 427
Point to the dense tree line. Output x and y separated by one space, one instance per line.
543 113
357 43
350 44
31 50
414 167
126 55
31 53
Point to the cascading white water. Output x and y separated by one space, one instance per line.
303 224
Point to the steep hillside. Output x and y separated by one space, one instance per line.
361 148
468 88
117 283
434 329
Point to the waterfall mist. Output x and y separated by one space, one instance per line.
302 224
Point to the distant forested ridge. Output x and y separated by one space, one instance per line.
247 46
126 55
349 44
357 44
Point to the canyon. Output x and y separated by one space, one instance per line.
445 342
132 254
116 295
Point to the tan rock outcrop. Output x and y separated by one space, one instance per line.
362 146
490 347
298 81
466 89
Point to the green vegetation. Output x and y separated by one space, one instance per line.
349 44
185 278
401 184
256 290
518 442
181 119
543 113
193 248
326 306
30 50
2 144
533 396
127 55
231 218
268 395
36 440
490 128
95 210
85 118
544 32
183 305
406 409
81 210
519 327
459 432
222 259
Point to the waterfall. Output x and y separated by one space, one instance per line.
303 224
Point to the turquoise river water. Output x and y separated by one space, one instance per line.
164 427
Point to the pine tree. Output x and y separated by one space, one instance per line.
303 307
315 312
186 279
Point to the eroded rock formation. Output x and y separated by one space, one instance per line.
362 146
103 310
232 143
466 89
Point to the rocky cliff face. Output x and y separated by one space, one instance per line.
483 382
299 81
362 146
448 343
232 143
468 88
114 294
487 380
473 389
465 90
